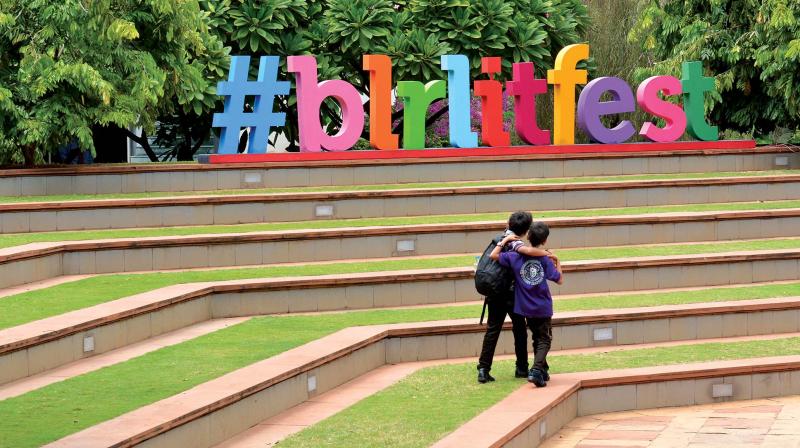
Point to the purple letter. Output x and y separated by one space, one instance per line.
590 109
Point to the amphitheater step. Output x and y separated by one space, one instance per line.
218 410
528 417
285 207
54 341
39 261
154 178
276 428
93 363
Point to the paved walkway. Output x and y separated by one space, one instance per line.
770 423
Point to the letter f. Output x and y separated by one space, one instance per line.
565 77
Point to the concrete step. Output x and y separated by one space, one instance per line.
40 261
45 344
292 207
219 409
114 179
528 417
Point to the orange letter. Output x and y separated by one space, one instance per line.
564 77
380 101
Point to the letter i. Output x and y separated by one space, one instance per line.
491 93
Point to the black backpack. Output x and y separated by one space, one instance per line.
491 279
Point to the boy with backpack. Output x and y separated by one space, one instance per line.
532 295
497 285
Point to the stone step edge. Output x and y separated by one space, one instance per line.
139 425
34 250
523 408
57 327
386 194
77 170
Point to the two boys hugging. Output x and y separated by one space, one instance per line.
532 266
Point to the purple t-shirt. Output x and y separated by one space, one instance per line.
531 294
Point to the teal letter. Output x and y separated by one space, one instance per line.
457 67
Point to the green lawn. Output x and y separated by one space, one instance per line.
429 404
33 305
60 409
560 180
17 239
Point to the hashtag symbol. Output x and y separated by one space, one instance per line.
262 118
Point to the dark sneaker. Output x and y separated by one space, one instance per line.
483 376
521 373
535 376
546 375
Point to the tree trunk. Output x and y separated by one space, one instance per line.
144 143
29 155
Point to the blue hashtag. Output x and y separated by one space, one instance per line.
262 118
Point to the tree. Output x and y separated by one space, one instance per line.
751 47
69 65
415 33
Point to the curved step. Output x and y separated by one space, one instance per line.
39 261
289 207
217 410
44 344
528 417
108 179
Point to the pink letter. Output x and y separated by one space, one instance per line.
525 87
310 95
647 97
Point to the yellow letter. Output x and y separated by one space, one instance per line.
564 77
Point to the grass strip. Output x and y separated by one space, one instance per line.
39 304
427 405
59 409
399 186
18 239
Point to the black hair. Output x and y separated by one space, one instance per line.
538 233
520 222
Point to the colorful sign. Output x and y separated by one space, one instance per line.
651 96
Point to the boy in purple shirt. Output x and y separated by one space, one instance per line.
532 297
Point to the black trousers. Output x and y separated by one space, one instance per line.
542 331
499 307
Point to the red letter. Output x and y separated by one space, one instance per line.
491 93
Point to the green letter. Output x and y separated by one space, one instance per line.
694 86
416 100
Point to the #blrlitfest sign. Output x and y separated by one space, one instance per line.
417 97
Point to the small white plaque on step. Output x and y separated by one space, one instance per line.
88 344
721 390
252 178
603 334
312 383
782 161
542 429
323 211
406 245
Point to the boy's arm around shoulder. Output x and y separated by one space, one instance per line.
531 251
556 266
495 255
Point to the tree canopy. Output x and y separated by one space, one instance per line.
751 47
69 65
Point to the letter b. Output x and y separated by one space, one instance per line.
310 95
